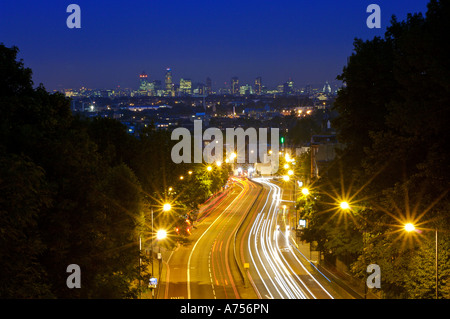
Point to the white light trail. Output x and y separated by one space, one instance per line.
275 272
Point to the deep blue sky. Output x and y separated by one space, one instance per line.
308 41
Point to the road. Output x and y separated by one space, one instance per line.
206 268
276 269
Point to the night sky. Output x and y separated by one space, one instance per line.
308 41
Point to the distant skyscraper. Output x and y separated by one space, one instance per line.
185 86
143 82
234 85
326 88
169 83
246 90
290 86
208 88
258 85
198 88
157 87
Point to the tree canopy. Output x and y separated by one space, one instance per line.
393 116
78 191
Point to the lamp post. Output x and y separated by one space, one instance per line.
409 227
166 207
160 235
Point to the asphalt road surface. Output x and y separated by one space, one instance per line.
276 270
248 223
205 268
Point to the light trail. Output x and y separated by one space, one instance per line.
243 191
275 272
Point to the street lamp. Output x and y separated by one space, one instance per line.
305 191
161 234
344 205
409 227
166 207
286 178
209 168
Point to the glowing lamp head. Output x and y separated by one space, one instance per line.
161 234
344 205
167 207
209 168
305 191
286 178
409 227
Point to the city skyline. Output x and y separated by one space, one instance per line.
308 42
258 83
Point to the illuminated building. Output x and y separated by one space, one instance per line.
326 88
234 85
143 82
246 90
169 83
185 86
208 87
258 86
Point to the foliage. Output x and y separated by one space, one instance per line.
78 191
393 113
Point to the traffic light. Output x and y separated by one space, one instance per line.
282 140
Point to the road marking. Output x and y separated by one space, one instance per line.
198 240
210 274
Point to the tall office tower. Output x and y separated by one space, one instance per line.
290 86
185 86
143 81
169 84
208 88
234 85
157 88
246 90
258 86
326 88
